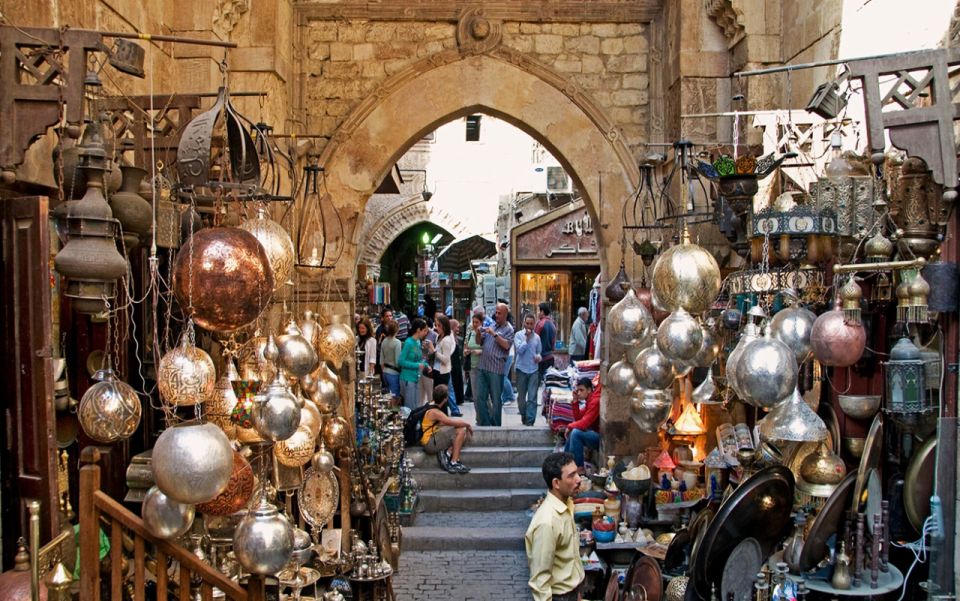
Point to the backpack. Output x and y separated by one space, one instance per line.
413 426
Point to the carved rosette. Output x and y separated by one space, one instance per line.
476 33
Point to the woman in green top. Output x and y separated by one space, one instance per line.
473 348
390 358
412 364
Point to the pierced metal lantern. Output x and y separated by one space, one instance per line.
907 403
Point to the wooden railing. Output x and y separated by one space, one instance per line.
96 505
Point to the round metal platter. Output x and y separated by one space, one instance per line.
645 574
676 550
698 528
318 497
765 498
826 522
870 460
741 570
829 416
918 483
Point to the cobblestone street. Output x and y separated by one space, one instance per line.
467 575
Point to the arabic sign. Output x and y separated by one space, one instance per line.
568 237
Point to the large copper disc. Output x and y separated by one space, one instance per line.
224 273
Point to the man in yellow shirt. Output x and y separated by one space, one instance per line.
552 540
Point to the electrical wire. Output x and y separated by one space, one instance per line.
919 550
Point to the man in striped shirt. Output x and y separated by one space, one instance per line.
497 339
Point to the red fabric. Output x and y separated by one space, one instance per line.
587 418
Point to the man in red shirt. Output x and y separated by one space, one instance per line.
584 431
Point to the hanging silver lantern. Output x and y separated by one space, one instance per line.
276 242
709 348
679 336
276 415
337 342
749 335
653 369
687 276
706 392
793 420
296 354
263 540
327 395
165 518
219 406
792 326
907 402
629 321
766 372
650 408
110 409
621 378
836 342
310 418
323 460
192 462
310 328
186 375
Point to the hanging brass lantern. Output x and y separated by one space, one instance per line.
835 342
296 354
89 259
110 409
337 342
850 297
629 321
219 405
687 276
917 207
186 375
277 244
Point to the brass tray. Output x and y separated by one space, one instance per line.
918 482
318 497
826 523
870 460
644 574
698 528
765 498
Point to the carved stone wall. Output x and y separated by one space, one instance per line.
384 222
346 60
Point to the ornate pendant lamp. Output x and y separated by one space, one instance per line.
320 234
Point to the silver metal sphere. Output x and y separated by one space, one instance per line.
792 326
192 462
630 322
621 378
297 356
766 372
653 369
276 415
679 336
164 517
650 408
748 336
263 540
323 461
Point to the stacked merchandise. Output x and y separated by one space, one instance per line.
558 398
588 368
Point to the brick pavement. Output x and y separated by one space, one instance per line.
467 575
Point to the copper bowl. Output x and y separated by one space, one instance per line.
853 446
859 406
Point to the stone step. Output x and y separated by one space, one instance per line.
435 538
511 436
482 499
434 478
519 456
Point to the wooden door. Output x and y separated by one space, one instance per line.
28 467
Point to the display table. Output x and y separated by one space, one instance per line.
886 582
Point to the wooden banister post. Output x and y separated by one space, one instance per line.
89 525
255 588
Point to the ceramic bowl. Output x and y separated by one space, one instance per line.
632 487
604 536
859 406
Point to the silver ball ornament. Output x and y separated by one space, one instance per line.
792 326
263 540
164 517
192 462
630 322
766 372
276 415
653 369
679 336
621 378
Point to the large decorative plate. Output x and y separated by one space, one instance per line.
870 460
318 497
829 416
741 569
645 575
765 498
918 482
826 523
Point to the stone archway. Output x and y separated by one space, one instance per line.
378 236
501 82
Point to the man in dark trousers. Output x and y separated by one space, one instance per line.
547 330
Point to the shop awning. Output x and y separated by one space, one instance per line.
457 256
